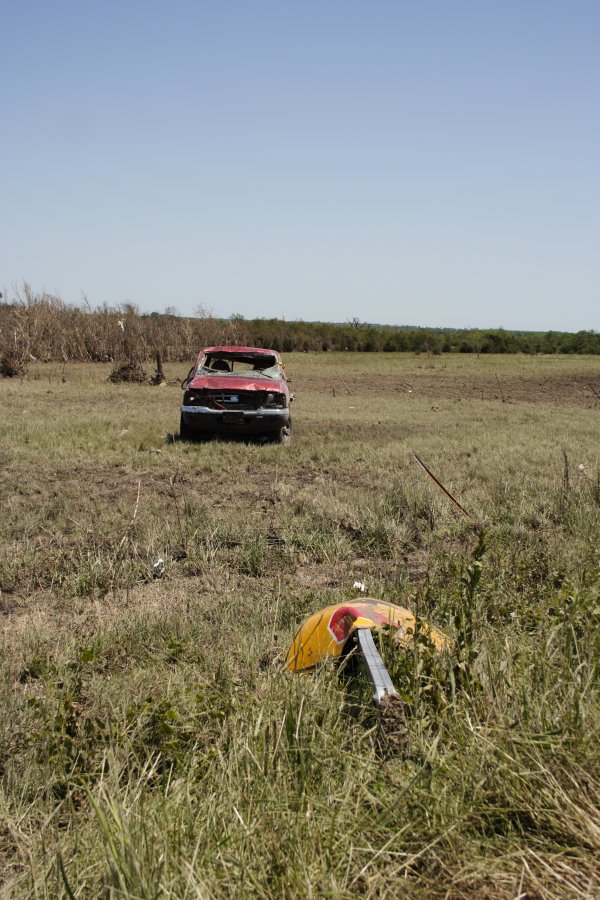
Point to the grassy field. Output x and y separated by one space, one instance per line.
150 743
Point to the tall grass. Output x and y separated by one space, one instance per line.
43 327
150 743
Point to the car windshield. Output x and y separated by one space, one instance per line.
230 364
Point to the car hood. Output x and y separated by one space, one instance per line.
237 383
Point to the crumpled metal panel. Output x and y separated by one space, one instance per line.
324 634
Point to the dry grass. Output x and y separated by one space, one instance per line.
149 743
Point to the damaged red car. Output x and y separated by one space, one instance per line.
236 392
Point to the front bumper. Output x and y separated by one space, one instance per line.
205 420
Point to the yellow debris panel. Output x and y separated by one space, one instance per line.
325 633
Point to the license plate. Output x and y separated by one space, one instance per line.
233 418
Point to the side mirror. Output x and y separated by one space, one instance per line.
187 378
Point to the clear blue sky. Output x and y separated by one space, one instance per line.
432 163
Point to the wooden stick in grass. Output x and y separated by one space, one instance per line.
441 486
343 382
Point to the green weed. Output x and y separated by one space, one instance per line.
151 743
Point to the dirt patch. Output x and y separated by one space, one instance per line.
392 720
437 384
553 390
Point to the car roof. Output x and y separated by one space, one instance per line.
240 350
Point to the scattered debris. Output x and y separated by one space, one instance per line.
360 586
14 364
324 633
441 486
411 388
158 569
331 632
348 391
374 666
130 371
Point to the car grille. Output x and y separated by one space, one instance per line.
232 400
237 399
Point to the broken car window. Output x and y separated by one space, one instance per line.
240 365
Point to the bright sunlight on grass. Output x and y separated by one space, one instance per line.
150 743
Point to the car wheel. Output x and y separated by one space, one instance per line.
284 435
184 432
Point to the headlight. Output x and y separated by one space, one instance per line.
275 400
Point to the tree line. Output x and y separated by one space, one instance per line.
40 326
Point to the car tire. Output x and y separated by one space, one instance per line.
284 435
184 432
